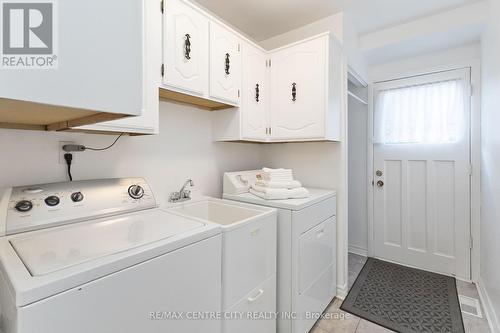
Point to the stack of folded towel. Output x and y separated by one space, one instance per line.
274 184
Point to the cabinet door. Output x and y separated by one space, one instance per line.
185 48
298 90
225 64
99 54
148 121
255 94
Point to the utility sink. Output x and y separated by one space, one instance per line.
225 213
249 242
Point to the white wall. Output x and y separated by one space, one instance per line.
426 34
333 23
356 60
421 64
315 164
490 171
184 149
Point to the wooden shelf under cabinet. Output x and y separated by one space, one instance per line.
200 102
16 114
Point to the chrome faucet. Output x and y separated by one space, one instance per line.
183 194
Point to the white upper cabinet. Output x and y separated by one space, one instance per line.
201 58
225 64
255 94
99 74
186 50
302 91
148 121
298 90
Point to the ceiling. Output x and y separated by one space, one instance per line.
262 19
378 14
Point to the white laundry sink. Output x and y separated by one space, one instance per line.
225 213
248 255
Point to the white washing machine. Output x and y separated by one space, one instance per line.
306 274
99 256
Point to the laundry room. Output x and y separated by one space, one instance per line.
233 166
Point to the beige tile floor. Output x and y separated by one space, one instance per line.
338 321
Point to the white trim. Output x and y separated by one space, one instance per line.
475 155
353 75
343 198
342 291
491 316
358 250
475 146
356 97
370 172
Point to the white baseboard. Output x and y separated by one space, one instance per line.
491 316
342 291
358 250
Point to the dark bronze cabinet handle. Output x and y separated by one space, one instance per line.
187 47
294 91
227 64
257 92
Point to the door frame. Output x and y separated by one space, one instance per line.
475 153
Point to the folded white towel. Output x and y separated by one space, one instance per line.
276 174
280 194
279 170
278 191
289 184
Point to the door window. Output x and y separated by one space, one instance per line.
429 113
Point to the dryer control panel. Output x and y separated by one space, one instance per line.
27 208
239 182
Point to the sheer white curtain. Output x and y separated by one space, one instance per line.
426 113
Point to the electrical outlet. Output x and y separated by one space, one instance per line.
62 152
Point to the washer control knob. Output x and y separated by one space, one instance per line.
77 196
136 191
52 200
24 206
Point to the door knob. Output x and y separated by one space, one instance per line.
380 183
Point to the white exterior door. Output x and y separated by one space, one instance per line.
255 97
298 102
185 48
422 172
225 64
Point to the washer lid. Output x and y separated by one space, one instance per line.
47 251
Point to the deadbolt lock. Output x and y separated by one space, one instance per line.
379 173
